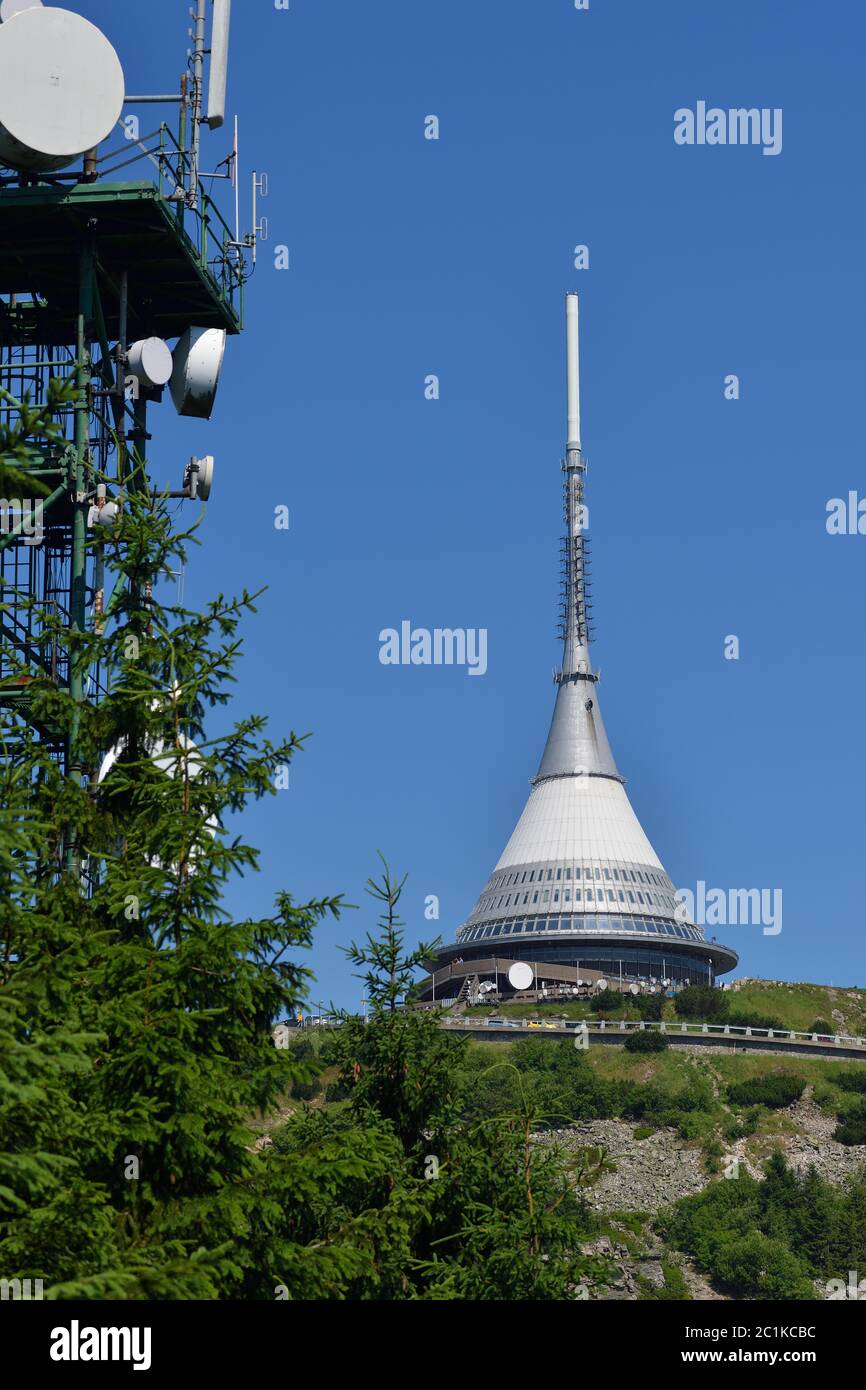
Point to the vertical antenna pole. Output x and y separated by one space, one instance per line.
78 574
236 177
181 139
573 372
197 95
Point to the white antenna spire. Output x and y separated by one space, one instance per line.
573 371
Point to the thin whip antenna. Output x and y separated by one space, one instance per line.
573 373
236 179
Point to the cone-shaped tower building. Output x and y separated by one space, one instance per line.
579 891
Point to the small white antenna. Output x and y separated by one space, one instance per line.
219 63
260 228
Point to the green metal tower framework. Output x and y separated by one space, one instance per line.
88 265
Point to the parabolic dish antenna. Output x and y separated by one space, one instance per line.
601 985
520 975
8 8
61 88
198 361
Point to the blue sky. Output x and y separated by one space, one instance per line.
411 257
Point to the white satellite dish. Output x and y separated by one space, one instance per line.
9 8
199 478
520 975
61 88
198 361
633 989
150 362
184 759
600 985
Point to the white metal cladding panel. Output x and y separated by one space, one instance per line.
578 818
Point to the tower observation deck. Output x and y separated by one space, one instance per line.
578 893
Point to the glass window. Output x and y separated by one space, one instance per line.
568 873
549 875
616 874
558 875
545 897
621 895
630 896
535 897
577 871
611 896
598 873
578 895
607 873
556 896
589 897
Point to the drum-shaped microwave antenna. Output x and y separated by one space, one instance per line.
61 88
151 362
198 361
520 975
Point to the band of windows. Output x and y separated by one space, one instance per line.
582 923
580 886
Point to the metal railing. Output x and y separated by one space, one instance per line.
666 1026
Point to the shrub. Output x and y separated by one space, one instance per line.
776 1090
743 1125
338 1090
851 1080
750 1019
702 1004
756 1266
306 1090
646 1041
822 1026
652 1007
608 1001
851 1128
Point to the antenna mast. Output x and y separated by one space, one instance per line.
200 41
575 621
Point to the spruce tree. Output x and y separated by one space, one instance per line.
136 1013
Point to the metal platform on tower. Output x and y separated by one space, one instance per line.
172 280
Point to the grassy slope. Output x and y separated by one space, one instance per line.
674 1070
798 1006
